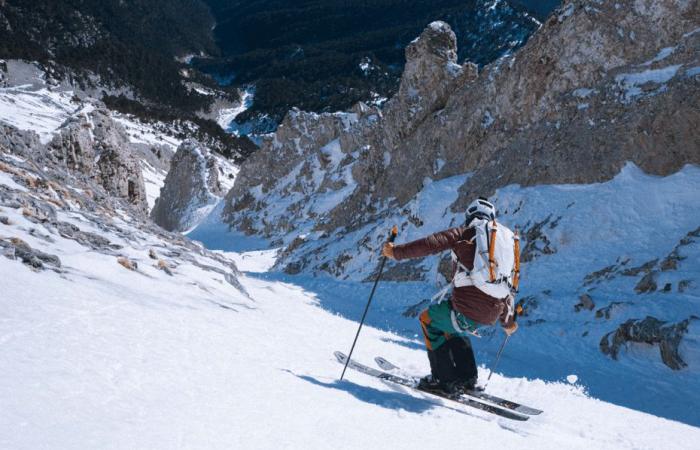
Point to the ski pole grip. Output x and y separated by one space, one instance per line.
394 233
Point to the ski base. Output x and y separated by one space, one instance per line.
475 393
506 413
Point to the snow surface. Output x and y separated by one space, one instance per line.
632 83
42 111
154 180
144 133
103 357
227 116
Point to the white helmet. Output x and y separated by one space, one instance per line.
481 208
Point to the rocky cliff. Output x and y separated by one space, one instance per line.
191 189
600 84
93 144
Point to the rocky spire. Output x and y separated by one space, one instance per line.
191 188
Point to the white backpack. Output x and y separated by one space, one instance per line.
496 269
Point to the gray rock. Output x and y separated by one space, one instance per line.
585 302
19 142
649 331
92 240
607 311
94 145
191 188
647 284
18 249
683 285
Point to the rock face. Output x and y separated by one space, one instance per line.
23 143
44 192
93 144
600 84
191 188
341 152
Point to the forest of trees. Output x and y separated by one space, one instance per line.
303 53
306 53
123 42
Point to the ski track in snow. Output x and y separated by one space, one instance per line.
103 357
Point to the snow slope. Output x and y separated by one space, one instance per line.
98 356
570 232
41 111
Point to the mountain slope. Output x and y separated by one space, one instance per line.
140 358
585 139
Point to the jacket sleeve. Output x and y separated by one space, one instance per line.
430 245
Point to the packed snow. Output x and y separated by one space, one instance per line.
104 357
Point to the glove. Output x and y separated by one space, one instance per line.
388 250
511 329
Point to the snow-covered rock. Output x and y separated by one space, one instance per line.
191 189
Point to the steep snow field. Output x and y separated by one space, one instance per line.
103 357
571 232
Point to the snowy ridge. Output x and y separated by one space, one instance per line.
140 358
45 109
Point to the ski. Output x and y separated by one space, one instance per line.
506 413
481 395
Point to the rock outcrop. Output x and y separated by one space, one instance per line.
191 190
43 193
93 144
649 331
23 143
600 84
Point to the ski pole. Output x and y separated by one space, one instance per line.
518 310
392 237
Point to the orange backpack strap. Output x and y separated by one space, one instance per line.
492 250
516 267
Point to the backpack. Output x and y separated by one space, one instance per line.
496 269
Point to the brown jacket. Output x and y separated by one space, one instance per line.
468 300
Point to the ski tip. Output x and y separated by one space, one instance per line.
528 411
340 356
385 364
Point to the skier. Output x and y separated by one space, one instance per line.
446 324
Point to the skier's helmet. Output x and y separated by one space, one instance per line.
481 208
